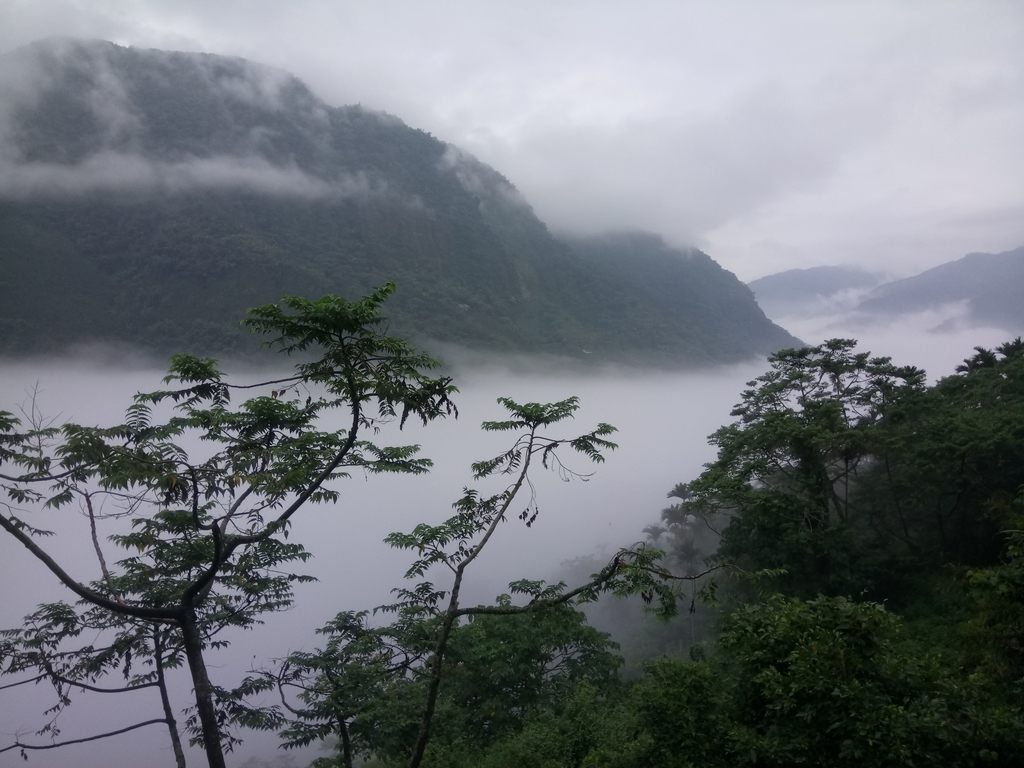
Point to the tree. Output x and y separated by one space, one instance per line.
787 471
39 647
208 532
365 686
961 459
828 681
996 629
335 691
542 643
457 542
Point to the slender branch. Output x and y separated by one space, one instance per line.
669 576
160 614
23 682
165 701
19 745
284 698
96 545
452 614
195 502
40 478
262 383
94 689
539 605
238 503
206 580
605 575
510 495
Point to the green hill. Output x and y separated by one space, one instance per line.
150 197
692 290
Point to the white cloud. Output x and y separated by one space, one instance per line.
478 179
131 173
871 132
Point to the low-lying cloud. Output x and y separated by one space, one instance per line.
936 339
115 172
480 180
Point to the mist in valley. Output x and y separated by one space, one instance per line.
882 137
663 420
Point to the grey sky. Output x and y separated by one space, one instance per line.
772 135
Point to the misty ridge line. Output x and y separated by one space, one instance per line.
121 163
978 290
112 171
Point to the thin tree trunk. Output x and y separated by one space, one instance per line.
436 671
165 700
205 709
346 742
452 614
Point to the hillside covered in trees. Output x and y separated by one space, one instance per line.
150 197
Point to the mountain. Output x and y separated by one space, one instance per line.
687 286
808 291
991 285
150 197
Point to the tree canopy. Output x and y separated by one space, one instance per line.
210 491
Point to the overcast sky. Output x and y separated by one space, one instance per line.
771 135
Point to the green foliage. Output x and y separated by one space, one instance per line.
852 476
366 685
959 458
787 470
844 476
791 682
834 480
207 544
444 681
996 630
504 668
823 682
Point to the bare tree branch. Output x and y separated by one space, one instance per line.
19 745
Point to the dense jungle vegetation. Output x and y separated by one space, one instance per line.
855 551
872 530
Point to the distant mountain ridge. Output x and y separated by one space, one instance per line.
990 286
150 197
799 291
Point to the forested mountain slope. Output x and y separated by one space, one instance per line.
991 283
689 287
150 197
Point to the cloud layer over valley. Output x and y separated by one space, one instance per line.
662 419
